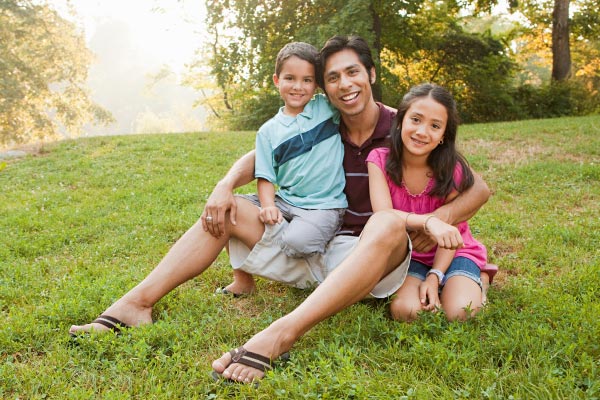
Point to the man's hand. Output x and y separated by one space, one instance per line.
421 242
220 201
270 215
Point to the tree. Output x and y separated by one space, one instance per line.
43 69
561 52
249 33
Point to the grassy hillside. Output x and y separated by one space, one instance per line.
82 221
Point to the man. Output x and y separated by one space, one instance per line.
351 268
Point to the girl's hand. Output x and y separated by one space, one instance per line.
428 293
270 215
446 235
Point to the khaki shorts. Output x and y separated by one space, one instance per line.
267 259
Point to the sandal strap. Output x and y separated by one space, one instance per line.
111 323
254 360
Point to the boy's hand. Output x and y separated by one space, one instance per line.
270 215
428 293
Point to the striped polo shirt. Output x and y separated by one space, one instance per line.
357 176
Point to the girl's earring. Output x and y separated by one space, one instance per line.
442 141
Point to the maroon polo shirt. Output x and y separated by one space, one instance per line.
357 176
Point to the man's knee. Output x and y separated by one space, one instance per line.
386 227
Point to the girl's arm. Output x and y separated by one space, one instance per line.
269 213
429 289
379 190
445 235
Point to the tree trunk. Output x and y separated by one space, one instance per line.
561 52
376 87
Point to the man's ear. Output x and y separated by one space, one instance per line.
276 80
372 75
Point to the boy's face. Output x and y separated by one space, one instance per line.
296 83
348 83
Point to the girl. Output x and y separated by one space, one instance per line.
421 171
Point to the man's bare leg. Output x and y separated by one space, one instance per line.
382 247
189 257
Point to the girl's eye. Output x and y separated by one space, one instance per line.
435 126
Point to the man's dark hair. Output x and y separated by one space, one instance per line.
303 51
339 43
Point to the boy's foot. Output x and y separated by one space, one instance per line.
125 314
237 289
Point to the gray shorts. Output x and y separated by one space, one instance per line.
308 231
268 260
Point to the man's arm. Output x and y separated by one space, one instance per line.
466 204
460 209
221 199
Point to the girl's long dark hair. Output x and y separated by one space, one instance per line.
444 157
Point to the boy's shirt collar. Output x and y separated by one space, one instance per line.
287 120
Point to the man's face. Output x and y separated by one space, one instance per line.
348 83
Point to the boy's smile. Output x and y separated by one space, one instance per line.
296 83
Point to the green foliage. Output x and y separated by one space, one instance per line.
412 42
83 220
43 71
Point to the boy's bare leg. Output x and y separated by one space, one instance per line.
382 247
189 257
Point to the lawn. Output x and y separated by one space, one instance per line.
81 221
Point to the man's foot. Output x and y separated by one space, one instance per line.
124 313
269 343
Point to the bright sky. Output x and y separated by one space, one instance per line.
164 31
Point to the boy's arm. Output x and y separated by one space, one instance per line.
460 209
269 213
221 199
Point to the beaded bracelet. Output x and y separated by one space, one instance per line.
426 221
406 218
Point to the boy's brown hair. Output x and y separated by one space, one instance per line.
303 51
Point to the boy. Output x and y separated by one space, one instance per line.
300 150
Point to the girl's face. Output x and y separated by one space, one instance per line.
423 126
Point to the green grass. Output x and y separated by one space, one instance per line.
82 221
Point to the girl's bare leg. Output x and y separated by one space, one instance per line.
189 257
461 298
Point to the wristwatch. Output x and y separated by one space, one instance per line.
437 273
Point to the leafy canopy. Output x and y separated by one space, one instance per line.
43 69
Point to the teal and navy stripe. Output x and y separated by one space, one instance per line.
302 144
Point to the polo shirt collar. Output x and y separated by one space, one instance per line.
382 129
287 120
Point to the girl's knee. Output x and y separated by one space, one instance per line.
404 311
456 312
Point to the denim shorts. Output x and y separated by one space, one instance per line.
460 266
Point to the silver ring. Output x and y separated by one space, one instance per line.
208 219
